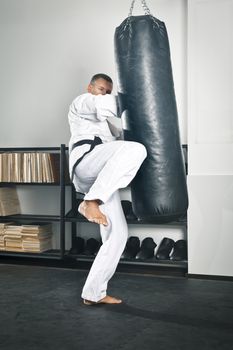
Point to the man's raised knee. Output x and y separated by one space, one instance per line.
140 149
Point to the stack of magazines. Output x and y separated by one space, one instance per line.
35 238
9 201
3 226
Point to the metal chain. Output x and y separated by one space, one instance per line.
131 8
144 6
128 21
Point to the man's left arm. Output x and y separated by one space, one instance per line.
106 106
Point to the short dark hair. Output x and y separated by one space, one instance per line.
100 76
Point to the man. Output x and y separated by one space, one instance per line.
100 164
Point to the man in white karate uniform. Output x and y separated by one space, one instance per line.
100 164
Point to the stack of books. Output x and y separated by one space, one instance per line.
31 167
2 234
13 238
2 243
9 201
35 238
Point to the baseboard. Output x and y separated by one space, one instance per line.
210 277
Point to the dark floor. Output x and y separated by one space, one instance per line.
41 309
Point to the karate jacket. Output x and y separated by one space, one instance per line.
88 117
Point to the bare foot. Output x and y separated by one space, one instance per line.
91 211
105 300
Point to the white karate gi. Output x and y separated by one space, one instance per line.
108 167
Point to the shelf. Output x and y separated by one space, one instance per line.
151 222
79 218
29 149
60 256
60 183
48 254
150 266
152 261
9 184
30 217
156 262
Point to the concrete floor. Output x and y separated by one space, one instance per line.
40 308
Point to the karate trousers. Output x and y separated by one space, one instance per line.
101 173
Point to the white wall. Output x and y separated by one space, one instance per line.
210 137
51 48
210 223
49 51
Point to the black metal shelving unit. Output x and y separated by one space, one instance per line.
62 256
153 265
178 268
27 218
168 267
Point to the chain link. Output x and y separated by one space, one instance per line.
128 21
131 8
144 6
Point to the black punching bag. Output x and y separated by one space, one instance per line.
149 116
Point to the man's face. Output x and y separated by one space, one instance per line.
100 87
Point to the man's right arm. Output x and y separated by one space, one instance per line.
94 107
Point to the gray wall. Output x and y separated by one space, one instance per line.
49 50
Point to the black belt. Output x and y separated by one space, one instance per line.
97 141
